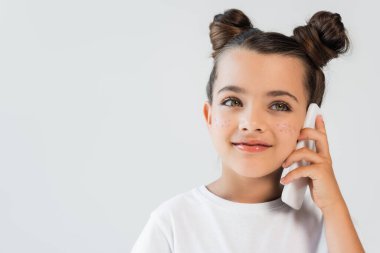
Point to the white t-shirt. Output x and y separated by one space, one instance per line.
199 221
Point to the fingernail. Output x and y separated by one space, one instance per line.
282 181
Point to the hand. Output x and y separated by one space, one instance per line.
324 188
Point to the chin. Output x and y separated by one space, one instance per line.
253 171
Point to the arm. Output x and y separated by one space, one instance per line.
340 231
341 235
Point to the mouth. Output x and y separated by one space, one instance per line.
252 143
251 148
248 144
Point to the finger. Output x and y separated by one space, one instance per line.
324 145
303 171
302 154
320 124
320 138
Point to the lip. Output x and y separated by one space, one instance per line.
251 149
252 142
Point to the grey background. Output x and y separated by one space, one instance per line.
101 114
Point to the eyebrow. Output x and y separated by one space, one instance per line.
273 93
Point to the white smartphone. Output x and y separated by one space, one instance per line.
294 192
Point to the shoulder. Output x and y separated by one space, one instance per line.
309 217
177 205
310 210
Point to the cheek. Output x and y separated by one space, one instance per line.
287 130
221 130
221 123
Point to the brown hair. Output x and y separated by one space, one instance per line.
323 38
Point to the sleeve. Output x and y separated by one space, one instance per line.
152 239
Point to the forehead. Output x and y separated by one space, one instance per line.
258 72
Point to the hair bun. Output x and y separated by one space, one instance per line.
226 26
323 38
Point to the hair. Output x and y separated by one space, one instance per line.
323 38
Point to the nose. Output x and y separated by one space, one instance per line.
253 120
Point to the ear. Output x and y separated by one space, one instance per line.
207 113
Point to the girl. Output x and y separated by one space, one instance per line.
258 93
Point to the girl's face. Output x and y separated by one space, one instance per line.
256 97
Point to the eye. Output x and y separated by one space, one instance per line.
282 106
234 100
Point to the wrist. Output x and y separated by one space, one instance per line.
335 206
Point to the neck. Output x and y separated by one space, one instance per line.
237 188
